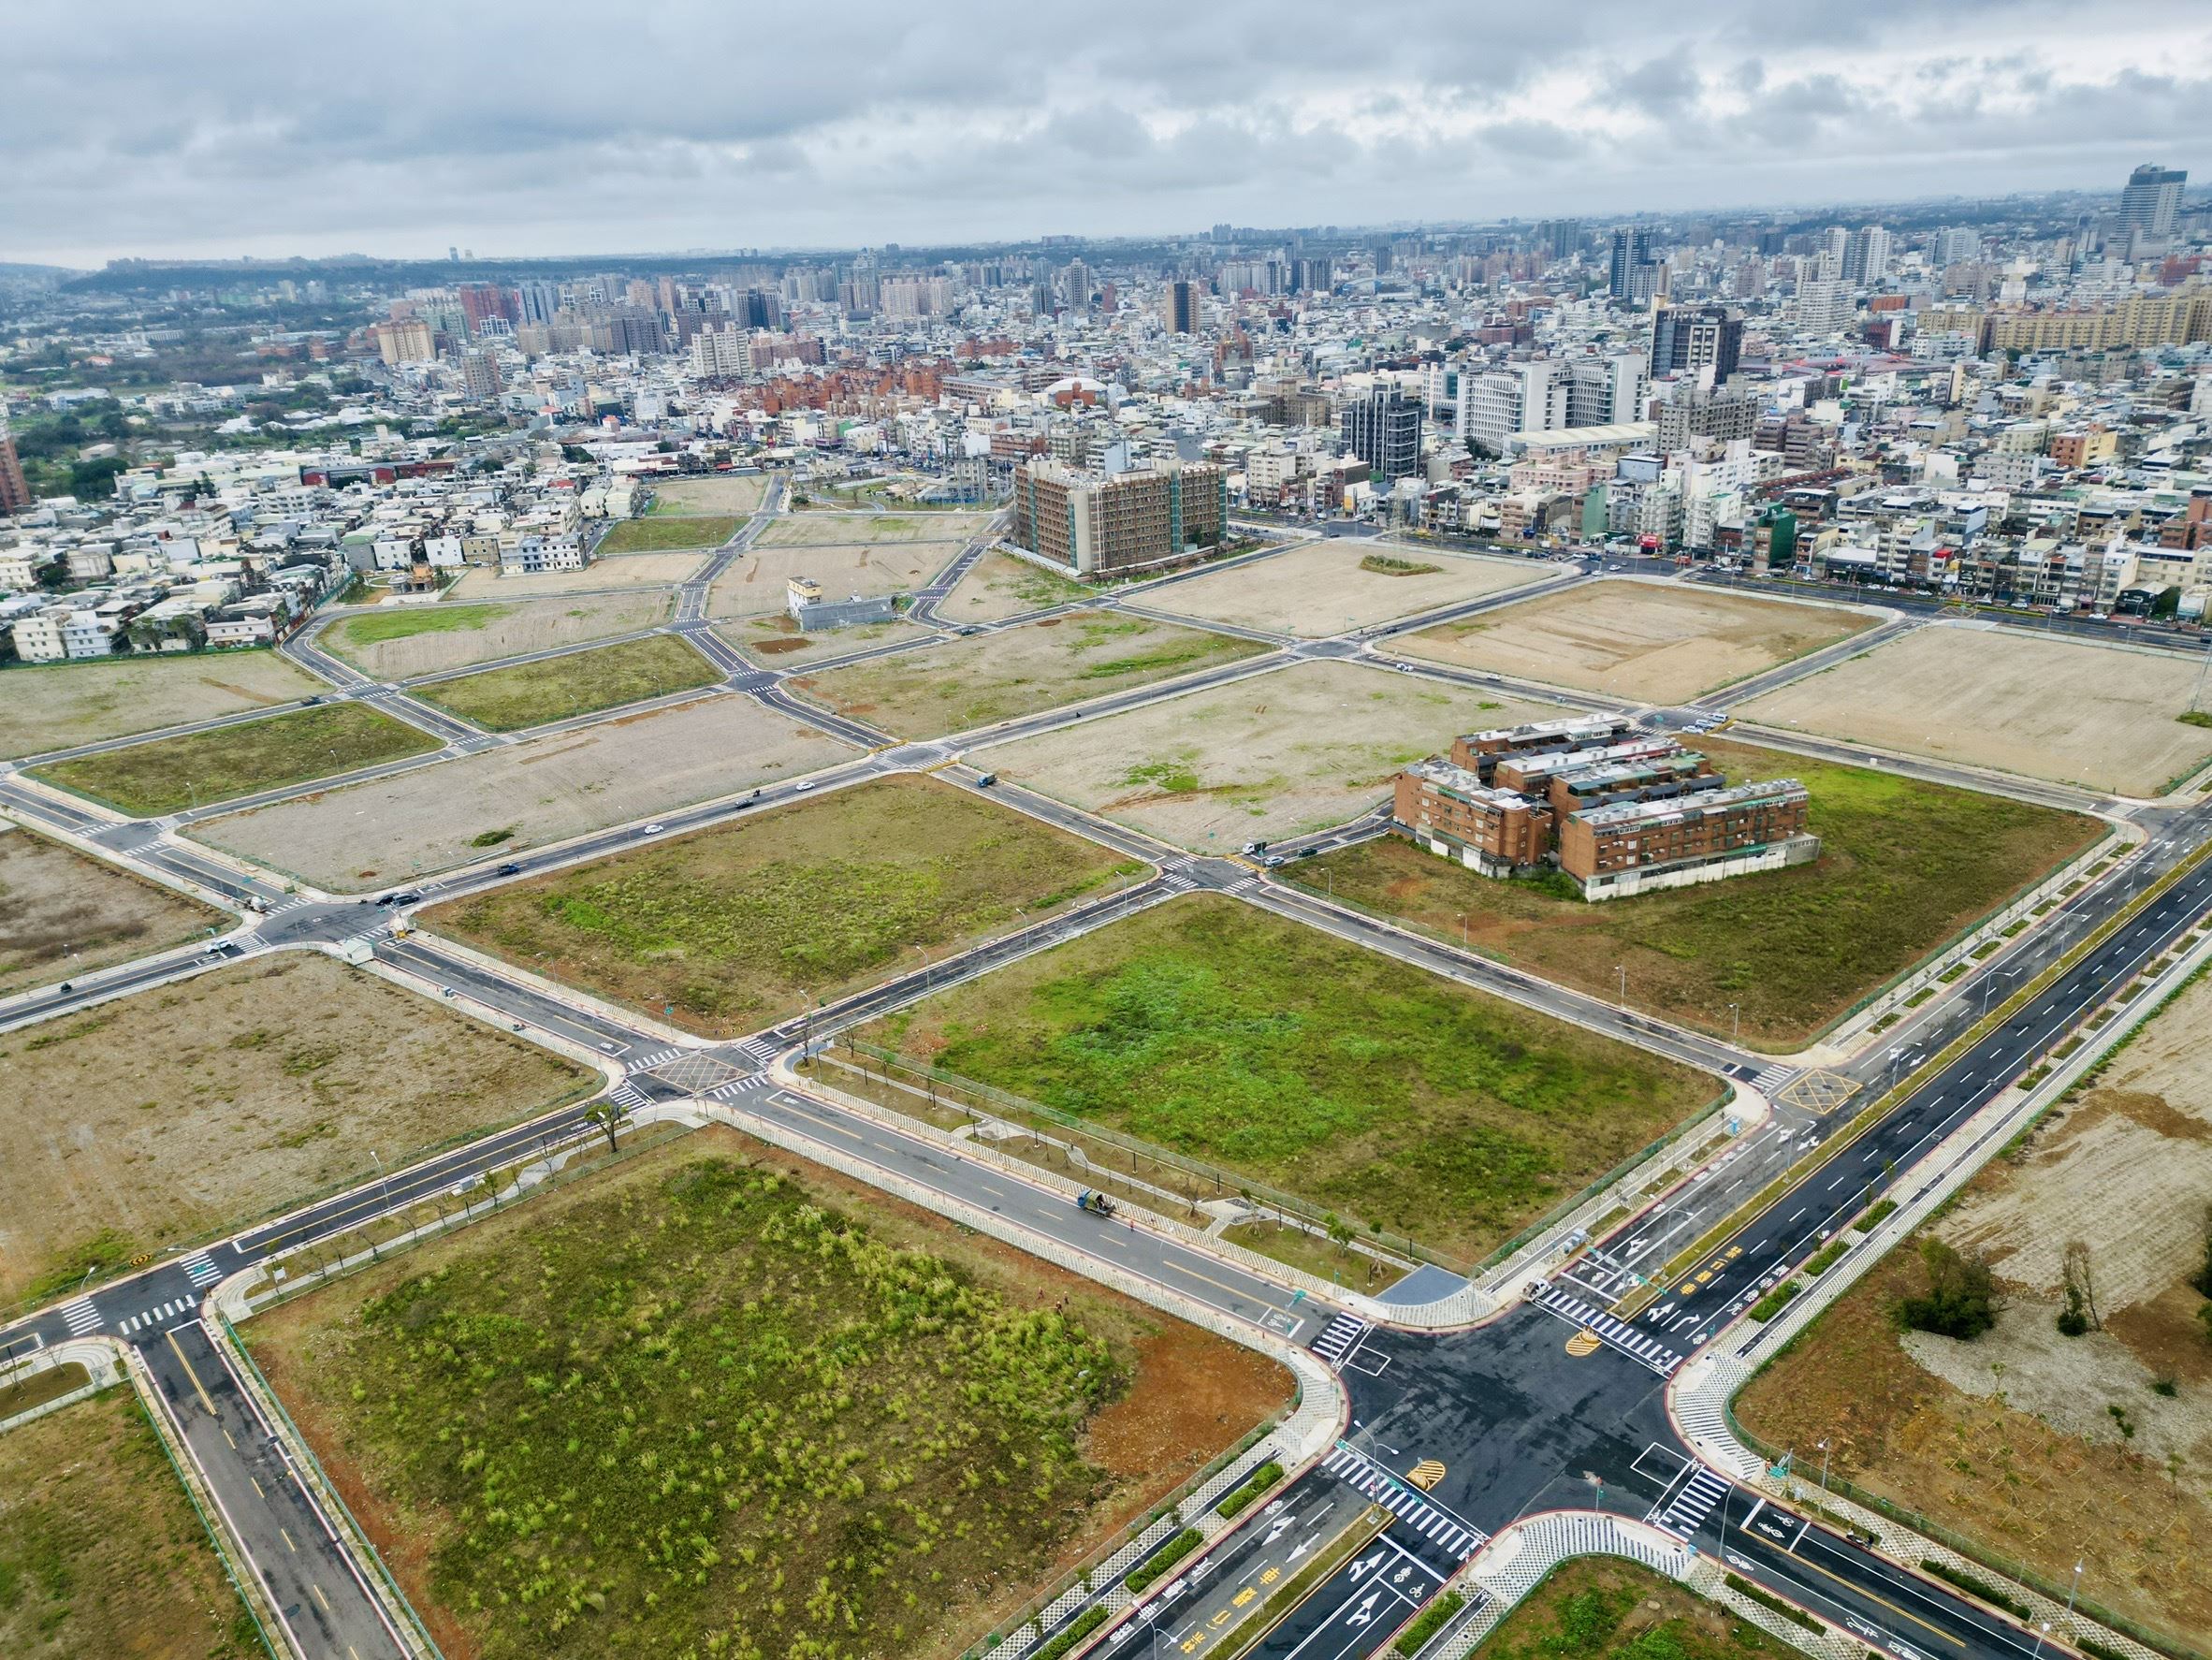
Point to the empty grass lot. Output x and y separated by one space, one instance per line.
1603 1608
1903 865
167 774
580 683
966 684
101 1552
998 586
734 928
54 705
658 534
398 642
62 913
719 1401
197 1106
1367 1086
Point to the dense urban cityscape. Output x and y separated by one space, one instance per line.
1446 937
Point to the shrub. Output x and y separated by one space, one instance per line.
1974 1585
1961 1298
1875 1217
2195 717
1237 1502
1077 1629
1155 1567
1428 1623
1774 1302
1829 1256
1767 1599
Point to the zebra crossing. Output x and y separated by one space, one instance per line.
1339 1337
1421 1515
738 1086
1645 1351
626 1096
149 1318
1775 1078
1178 881
199 1271
1693 1502
646 1063
81 1317
759 1051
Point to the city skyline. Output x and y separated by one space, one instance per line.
551 136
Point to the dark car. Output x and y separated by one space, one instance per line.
510 871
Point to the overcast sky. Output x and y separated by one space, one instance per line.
264 128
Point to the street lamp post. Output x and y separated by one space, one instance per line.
1824 1466
1735 1020
384 1181
1622 970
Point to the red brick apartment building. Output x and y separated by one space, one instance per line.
1619 817
1104 523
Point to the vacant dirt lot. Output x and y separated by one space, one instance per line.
817 529
776 643
2097 715
998 586
754 583
56 706
580 683
629 570
731 929
202 1103
1318 589
2041 1446
1279 754
737 497
544 790
1018 1415
101 1552
399 642
965 684
62 914
1655 643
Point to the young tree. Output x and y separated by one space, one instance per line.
2202 1281
607 1116
2081 1286
1961 1298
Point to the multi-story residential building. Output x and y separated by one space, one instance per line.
1689 340
1866 256
1181 306
1519 398
1633 847
1100 523
2151 199
1692 412
405 340
39 636
1384 429
1608 392
15 494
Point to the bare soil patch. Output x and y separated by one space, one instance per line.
755 582
544 790
1655 643
202 1103
777 642
998 586
63 913
878 530
56 706
1279 754
2045 1448
428 640
1317 589
738 496
964 685
101 1553
2102 717
627 570
1178 1397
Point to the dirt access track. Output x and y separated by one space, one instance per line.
57 705
1318 589
369 836
2099 716
1279 754
1651 642
202 1103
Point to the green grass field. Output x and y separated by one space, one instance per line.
1903 865
703 1407
100 1550
1374 1089
1603 1608
169 774
580 683
736 928
658 534
405 622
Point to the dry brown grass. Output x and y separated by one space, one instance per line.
200 1104
428 640
63 913
56 706
754 584
629 570
1317 589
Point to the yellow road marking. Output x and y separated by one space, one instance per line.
226 1438
1426 1474
1892 1607
198 1388
288 1545
1583 1343
319 1597
256 1481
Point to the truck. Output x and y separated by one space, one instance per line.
1095 1202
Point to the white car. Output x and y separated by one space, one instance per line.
803 784
652 829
